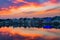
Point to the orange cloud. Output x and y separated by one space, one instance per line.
18 1
14 9
31 10
53 1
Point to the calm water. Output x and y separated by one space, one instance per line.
21 33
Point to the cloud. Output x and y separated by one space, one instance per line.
26 9
36 1
7 3
17 1
29 9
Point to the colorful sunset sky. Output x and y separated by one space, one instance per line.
29 8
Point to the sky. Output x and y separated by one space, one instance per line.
29 8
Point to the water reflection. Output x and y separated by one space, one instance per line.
21 33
